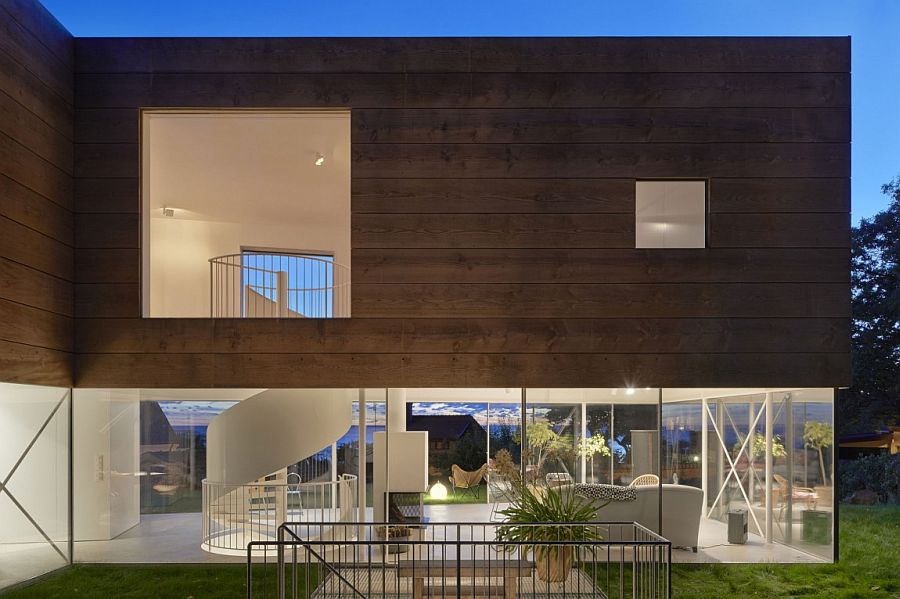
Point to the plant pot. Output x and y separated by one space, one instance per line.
399 548
553 563
817 527
824 496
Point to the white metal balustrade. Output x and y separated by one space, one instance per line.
278 285
235 515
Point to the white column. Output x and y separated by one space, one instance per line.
770 418
282 294
487 457
704 450
583 436
751 434
396 410
361 467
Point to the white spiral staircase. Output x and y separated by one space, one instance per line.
247 494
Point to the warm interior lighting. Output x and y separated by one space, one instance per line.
629 391
438 491
320 160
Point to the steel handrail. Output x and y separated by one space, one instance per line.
280 545
659 549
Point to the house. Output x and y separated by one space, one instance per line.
444 432
857 445
653 232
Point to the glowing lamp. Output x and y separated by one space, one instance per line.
438 491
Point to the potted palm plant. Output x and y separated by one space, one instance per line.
528 519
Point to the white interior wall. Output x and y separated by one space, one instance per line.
106 462
400 465
237 179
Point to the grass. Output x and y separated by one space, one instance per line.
868 569
185 581
461 496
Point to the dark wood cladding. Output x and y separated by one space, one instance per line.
493 230
641 161
614 300
493 211
36 196
601 125
561 266
464 335
458 90
323 370
447 55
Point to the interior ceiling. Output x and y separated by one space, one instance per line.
247 166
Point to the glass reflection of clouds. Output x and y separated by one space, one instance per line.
500 413
193 413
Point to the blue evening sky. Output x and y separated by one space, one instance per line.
873 25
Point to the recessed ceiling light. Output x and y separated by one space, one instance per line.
629 391
320 160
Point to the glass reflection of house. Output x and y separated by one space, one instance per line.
167 461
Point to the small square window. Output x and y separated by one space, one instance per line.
670 214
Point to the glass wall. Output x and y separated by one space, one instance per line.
457 440
761 455
173 452
592 435
141 456
34 481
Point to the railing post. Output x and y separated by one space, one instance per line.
280 573
282 293
770 425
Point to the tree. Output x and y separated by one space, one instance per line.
758 448
469 451
818 435
590 447
874 398
544 443
540 438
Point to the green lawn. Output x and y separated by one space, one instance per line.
460 496
869 567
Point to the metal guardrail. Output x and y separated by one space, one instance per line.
391 560
278 285
235 515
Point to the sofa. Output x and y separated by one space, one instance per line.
682 508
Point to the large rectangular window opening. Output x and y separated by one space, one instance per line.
246 213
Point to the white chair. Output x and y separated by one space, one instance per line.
645 480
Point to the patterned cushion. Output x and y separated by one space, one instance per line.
606 492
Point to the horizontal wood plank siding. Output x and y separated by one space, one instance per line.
323 370
36 196
493 211
480 55
468 265
469 335
458 91
601 125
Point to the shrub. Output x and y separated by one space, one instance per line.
879 473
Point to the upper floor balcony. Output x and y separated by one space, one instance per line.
278 285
